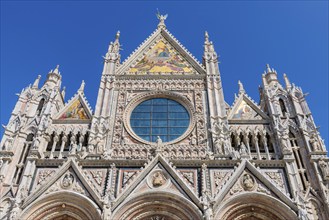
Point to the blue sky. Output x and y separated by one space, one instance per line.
291 36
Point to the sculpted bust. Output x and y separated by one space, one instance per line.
158 179
248 182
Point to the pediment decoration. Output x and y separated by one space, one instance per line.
219 178
126 176
161 53
191 177
158 176
42 176
69 177
277 177
97 177
247 178
244 109
76 110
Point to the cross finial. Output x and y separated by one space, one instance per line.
161 18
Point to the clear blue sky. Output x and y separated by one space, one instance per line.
291 36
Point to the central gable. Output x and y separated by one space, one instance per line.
161 58
161 54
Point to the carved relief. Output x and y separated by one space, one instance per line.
158 179
67 180
248 182
44 174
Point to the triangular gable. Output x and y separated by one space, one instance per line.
161 169
161 53
161 58
250 173
69 168
76 109
245 109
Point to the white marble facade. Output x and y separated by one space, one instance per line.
249 160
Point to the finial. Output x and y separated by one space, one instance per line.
286 80
161 18
268 69
114 47
206 37
117 36
63 92
82 87
56 70
36 82
241 89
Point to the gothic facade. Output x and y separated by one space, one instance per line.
162 144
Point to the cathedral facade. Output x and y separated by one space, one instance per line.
162 144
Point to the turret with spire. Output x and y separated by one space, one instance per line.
112 57
54 77
36 82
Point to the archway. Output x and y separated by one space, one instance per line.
157 205
254 206
62 206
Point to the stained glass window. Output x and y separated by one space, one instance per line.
159 117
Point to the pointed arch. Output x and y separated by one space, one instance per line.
253 204
58 204
156 203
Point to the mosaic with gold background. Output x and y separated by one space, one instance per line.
161 59
75 111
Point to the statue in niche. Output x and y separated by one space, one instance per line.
227 147
218 146
248 182
73 149
315 145
325 169
8 144
100 146
158 179
243 149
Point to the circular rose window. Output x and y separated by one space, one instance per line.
161 117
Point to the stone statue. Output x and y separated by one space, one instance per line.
324 169
73 149
243 149
315 145
218 146
8 144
